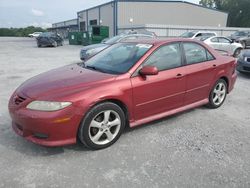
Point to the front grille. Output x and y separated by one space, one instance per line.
246 68
18 99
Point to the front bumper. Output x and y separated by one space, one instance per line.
46 128
243 66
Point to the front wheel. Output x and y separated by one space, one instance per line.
102 126
218 94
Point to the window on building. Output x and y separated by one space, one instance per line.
92 22
82 26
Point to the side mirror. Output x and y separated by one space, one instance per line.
148 70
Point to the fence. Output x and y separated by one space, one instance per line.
175 30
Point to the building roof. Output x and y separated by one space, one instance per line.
143 1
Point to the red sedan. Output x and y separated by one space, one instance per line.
126 84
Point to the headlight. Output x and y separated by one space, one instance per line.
89 52
47 105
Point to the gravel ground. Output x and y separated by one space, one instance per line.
198 148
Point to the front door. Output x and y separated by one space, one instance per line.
165 91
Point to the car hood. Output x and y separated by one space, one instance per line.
246 53
62 80
94 46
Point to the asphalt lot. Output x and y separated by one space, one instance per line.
197 148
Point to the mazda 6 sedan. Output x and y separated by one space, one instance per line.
127 84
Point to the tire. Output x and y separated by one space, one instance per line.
54 43
102 126
237 52
243 43
218 94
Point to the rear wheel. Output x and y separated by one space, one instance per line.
243 43
218 94
237 52
102 126
54 43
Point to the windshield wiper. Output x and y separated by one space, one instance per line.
90 67
94 68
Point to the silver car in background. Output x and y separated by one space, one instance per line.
224 44
91 50
198 34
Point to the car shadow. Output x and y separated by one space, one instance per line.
243 75
19 144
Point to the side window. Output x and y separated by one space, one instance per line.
210 57
199 35
195 53
223 40
215 39
166 57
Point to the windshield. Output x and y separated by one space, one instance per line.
113 39
188 34
118 58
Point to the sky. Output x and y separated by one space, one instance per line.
42 13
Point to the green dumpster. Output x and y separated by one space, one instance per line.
94 35
97 33
73 38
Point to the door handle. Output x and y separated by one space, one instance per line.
179 75
214 65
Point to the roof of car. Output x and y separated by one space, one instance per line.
159 41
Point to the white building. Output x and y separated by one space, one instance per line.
120 14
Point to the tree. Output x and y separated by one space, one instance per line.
20 32
239 14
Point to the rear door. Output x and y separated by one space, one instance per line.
200 71
165 91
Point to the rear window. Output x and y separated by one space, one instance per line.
47 34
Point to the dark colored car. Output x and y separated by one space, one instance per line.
243 64
49 39
91 50
127 84
242 37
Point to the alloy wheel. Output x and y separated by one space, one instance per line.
104 127
219 93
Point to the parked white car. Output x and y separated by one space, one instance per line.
198 34
224 44
35 34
